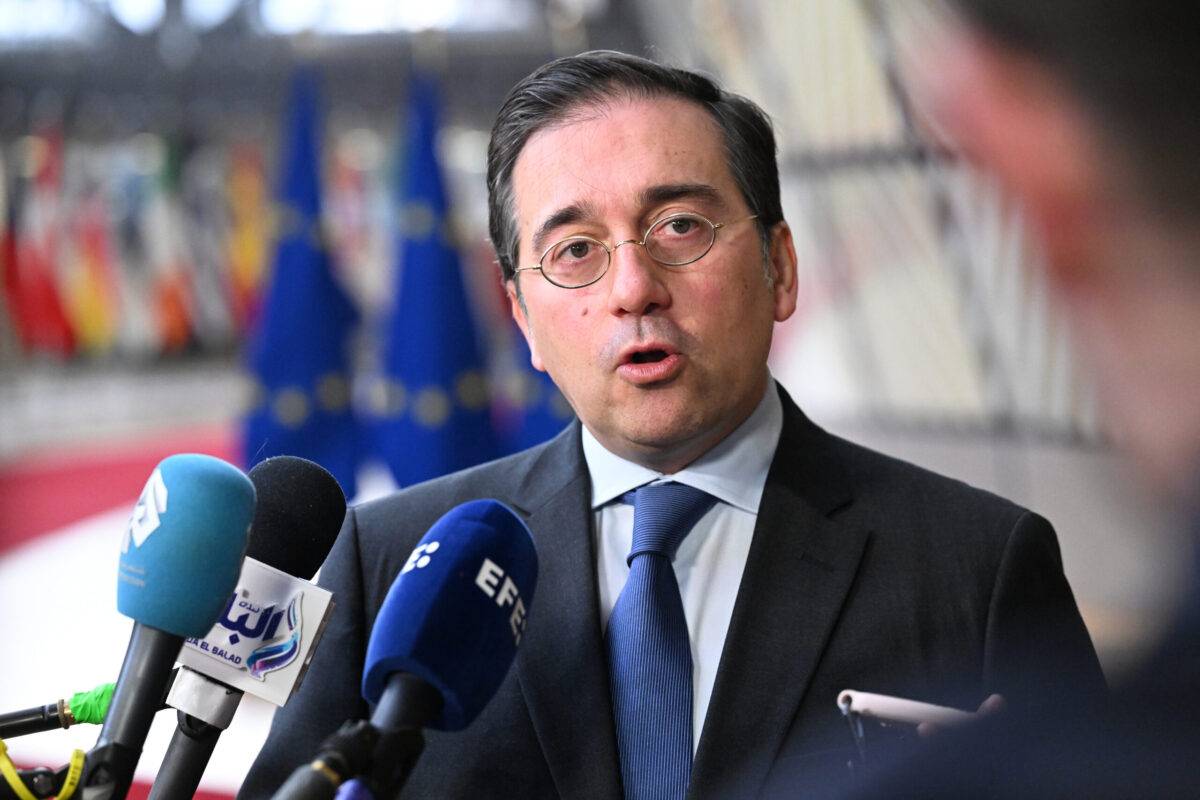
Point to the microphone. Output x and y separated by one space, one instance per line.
88 708
179 561
442 643
296 519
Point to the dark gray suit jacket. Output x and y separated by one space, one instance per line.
1143 742
864 572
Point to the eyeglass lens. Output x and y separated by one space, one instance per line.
676 240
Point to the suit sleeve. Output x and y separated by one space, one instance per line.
329 694
1037 649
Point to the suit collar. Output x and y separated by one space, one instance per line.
798 573
806 457
561 664
549 469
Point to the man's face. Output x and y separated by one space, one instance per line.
660 363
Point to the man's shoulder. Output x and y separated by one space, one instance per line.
910 504
866 481
886 475
515 480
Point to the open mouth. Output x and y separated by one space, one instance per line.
648 356
650 365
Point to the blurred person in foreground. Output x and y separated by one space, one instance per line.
1088 111
635 212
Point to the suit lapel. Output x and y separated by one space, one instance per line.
561 663
800 567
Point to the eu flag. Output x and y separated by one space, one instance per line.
299 354
433 403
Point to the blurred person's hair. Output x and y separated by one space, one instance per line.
1134 64
554 92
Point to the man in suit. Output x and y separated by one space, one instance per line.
1089 113
635 212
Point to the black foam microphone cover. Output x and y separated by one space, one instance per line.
298 516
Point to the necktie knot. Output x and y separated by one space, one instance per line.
663 515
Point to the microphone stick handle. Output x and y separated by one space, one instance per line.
395 756
83 708
345 754
407 705
187 756
34 720
407 702
144 676
206 707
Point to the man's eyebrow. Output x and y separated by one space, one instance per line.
654 195
564 216
665 193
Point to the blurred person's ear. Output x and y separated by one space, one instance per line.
1016 119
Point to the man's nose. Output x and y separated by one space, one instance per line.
637 280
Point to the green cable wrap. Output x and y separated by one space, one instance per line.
91 706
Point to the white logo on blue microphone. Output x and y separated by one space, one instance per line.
505 594
420 557
147 512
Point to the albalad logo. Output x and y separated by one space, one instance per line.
260 639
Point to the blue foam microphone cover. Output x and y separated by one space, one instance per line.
182 551
455 615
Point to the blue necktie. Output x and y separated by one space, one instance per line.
649 654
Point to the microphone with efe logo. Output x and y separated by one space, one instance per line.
441 645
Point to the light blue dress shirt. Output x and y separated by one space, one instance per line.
711 560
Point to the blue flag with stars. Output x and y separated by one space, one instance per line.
433 403
299 354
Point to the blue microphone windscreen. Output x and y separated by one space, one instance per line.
455 614
182 551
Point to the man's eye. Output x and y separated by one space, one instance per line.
573 253
682 225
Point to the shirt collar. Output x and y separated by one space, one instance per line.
734 471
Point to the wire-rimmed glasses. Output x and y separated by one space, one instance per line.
675 240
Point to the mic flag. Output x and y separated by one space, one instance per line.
183 548
270 624
455 615
264 638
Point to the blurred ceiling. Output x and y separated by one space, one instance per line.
111 66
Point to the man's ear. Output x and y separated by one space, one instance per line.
782 261
1015 118
517 307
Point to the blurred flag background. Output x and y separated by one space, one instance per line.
251 227
299 353
432 401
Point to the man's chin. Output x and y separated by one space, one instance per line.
666 447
